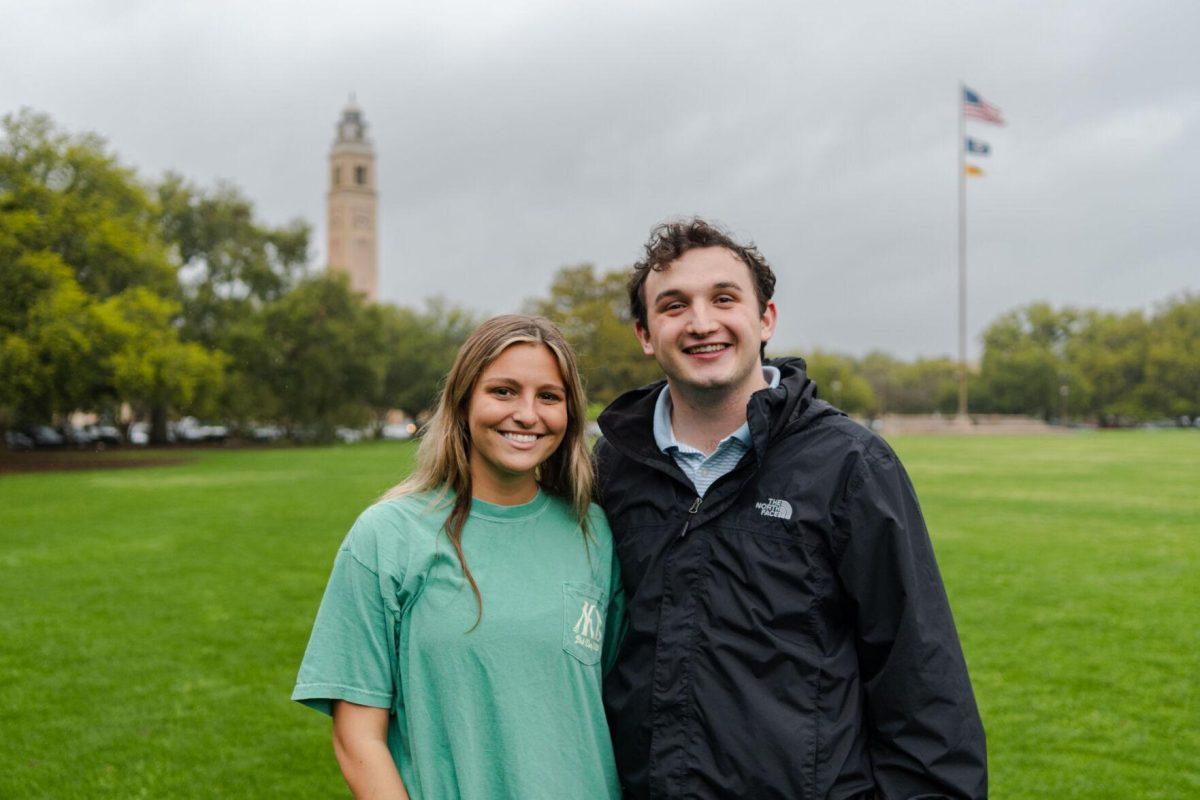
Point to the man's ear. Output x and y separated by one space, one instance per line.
770 316
643 336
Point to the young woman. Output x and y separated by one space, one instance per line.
471 612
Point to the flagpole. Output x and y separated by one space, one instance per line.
962 259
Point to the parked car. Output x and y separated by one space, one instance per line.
192 431
45 436
15 440
348 435
188 430
216 433
266 433
76 436
104 434
139 434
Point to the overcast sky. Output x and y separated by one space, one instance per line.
515 138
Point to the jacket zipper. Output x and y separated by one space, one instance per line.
691 515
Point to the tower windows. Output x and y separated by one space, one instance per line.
360 175
337 176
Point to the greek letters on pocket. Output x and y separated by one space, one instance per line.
583 621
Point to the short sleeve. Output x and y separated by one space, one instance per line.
349 655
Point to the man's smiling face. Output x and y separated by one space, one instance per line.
703 322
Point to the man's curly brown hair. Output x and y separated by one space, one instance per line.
670 240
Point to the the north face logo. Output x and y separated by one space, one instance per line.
780 509
589 628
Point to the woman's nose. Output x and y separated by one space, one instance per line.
524 413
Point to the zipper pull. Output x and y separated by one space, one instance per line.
691 513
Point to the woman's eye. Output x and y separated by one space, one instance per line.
551 397
501 391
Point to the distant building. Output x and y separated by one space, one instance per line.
352 204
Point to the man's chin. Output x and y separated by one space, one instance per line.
703 381
713 379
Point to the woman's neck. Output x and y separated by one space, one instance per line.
504 493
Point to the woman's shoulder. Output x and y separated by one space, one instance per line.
387 531
600 537
598 523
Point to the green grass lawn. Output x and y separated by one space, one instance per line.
153 618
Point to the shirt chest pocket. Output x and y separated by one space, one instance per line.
583 621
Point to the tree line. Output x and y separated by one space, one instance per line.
175 299
1070 364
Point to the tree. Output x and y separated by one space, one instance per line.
314 358
229 264
48 334
593 312
839 382
230 268
151 368
79 250
1173 358
883 372
1108 354
67 195
414 351
1024 368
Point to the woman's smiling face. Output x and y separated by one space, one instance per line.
517 417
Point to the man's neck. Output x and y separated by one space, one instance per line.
702 419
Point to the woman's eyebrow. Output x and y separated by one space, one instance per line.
504 379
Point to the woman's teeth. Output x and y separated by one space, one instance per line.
520 437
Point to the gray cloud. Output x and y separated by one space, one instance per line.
514 139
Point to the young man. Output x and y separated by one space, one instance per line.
789 635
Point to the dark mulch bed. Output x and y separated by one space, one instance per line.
66 460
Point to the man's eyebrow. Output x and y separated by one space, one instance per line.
715 287
667 293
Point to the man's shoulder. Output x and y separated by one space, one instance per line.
835 435
605 454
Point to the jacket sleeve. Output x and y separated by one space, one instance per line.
925 736
602 454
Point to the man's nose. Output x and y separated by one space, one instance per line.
701 322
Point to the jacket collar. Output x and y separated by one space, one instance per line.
628 423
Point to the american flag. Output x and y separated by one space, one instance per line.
976 107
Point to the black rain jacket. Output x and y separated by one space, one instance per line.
789 635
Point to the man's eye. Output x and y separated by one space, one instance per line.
725 298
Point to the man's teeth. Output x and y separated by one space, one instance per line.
706 348
520 437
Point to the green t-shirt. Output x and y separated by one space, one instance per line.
511 709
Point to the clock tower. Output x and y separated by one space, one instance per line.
352 204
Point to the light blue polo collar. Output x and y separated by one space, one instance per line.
664 434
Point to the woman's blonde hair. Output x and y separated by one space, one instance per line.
444 456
